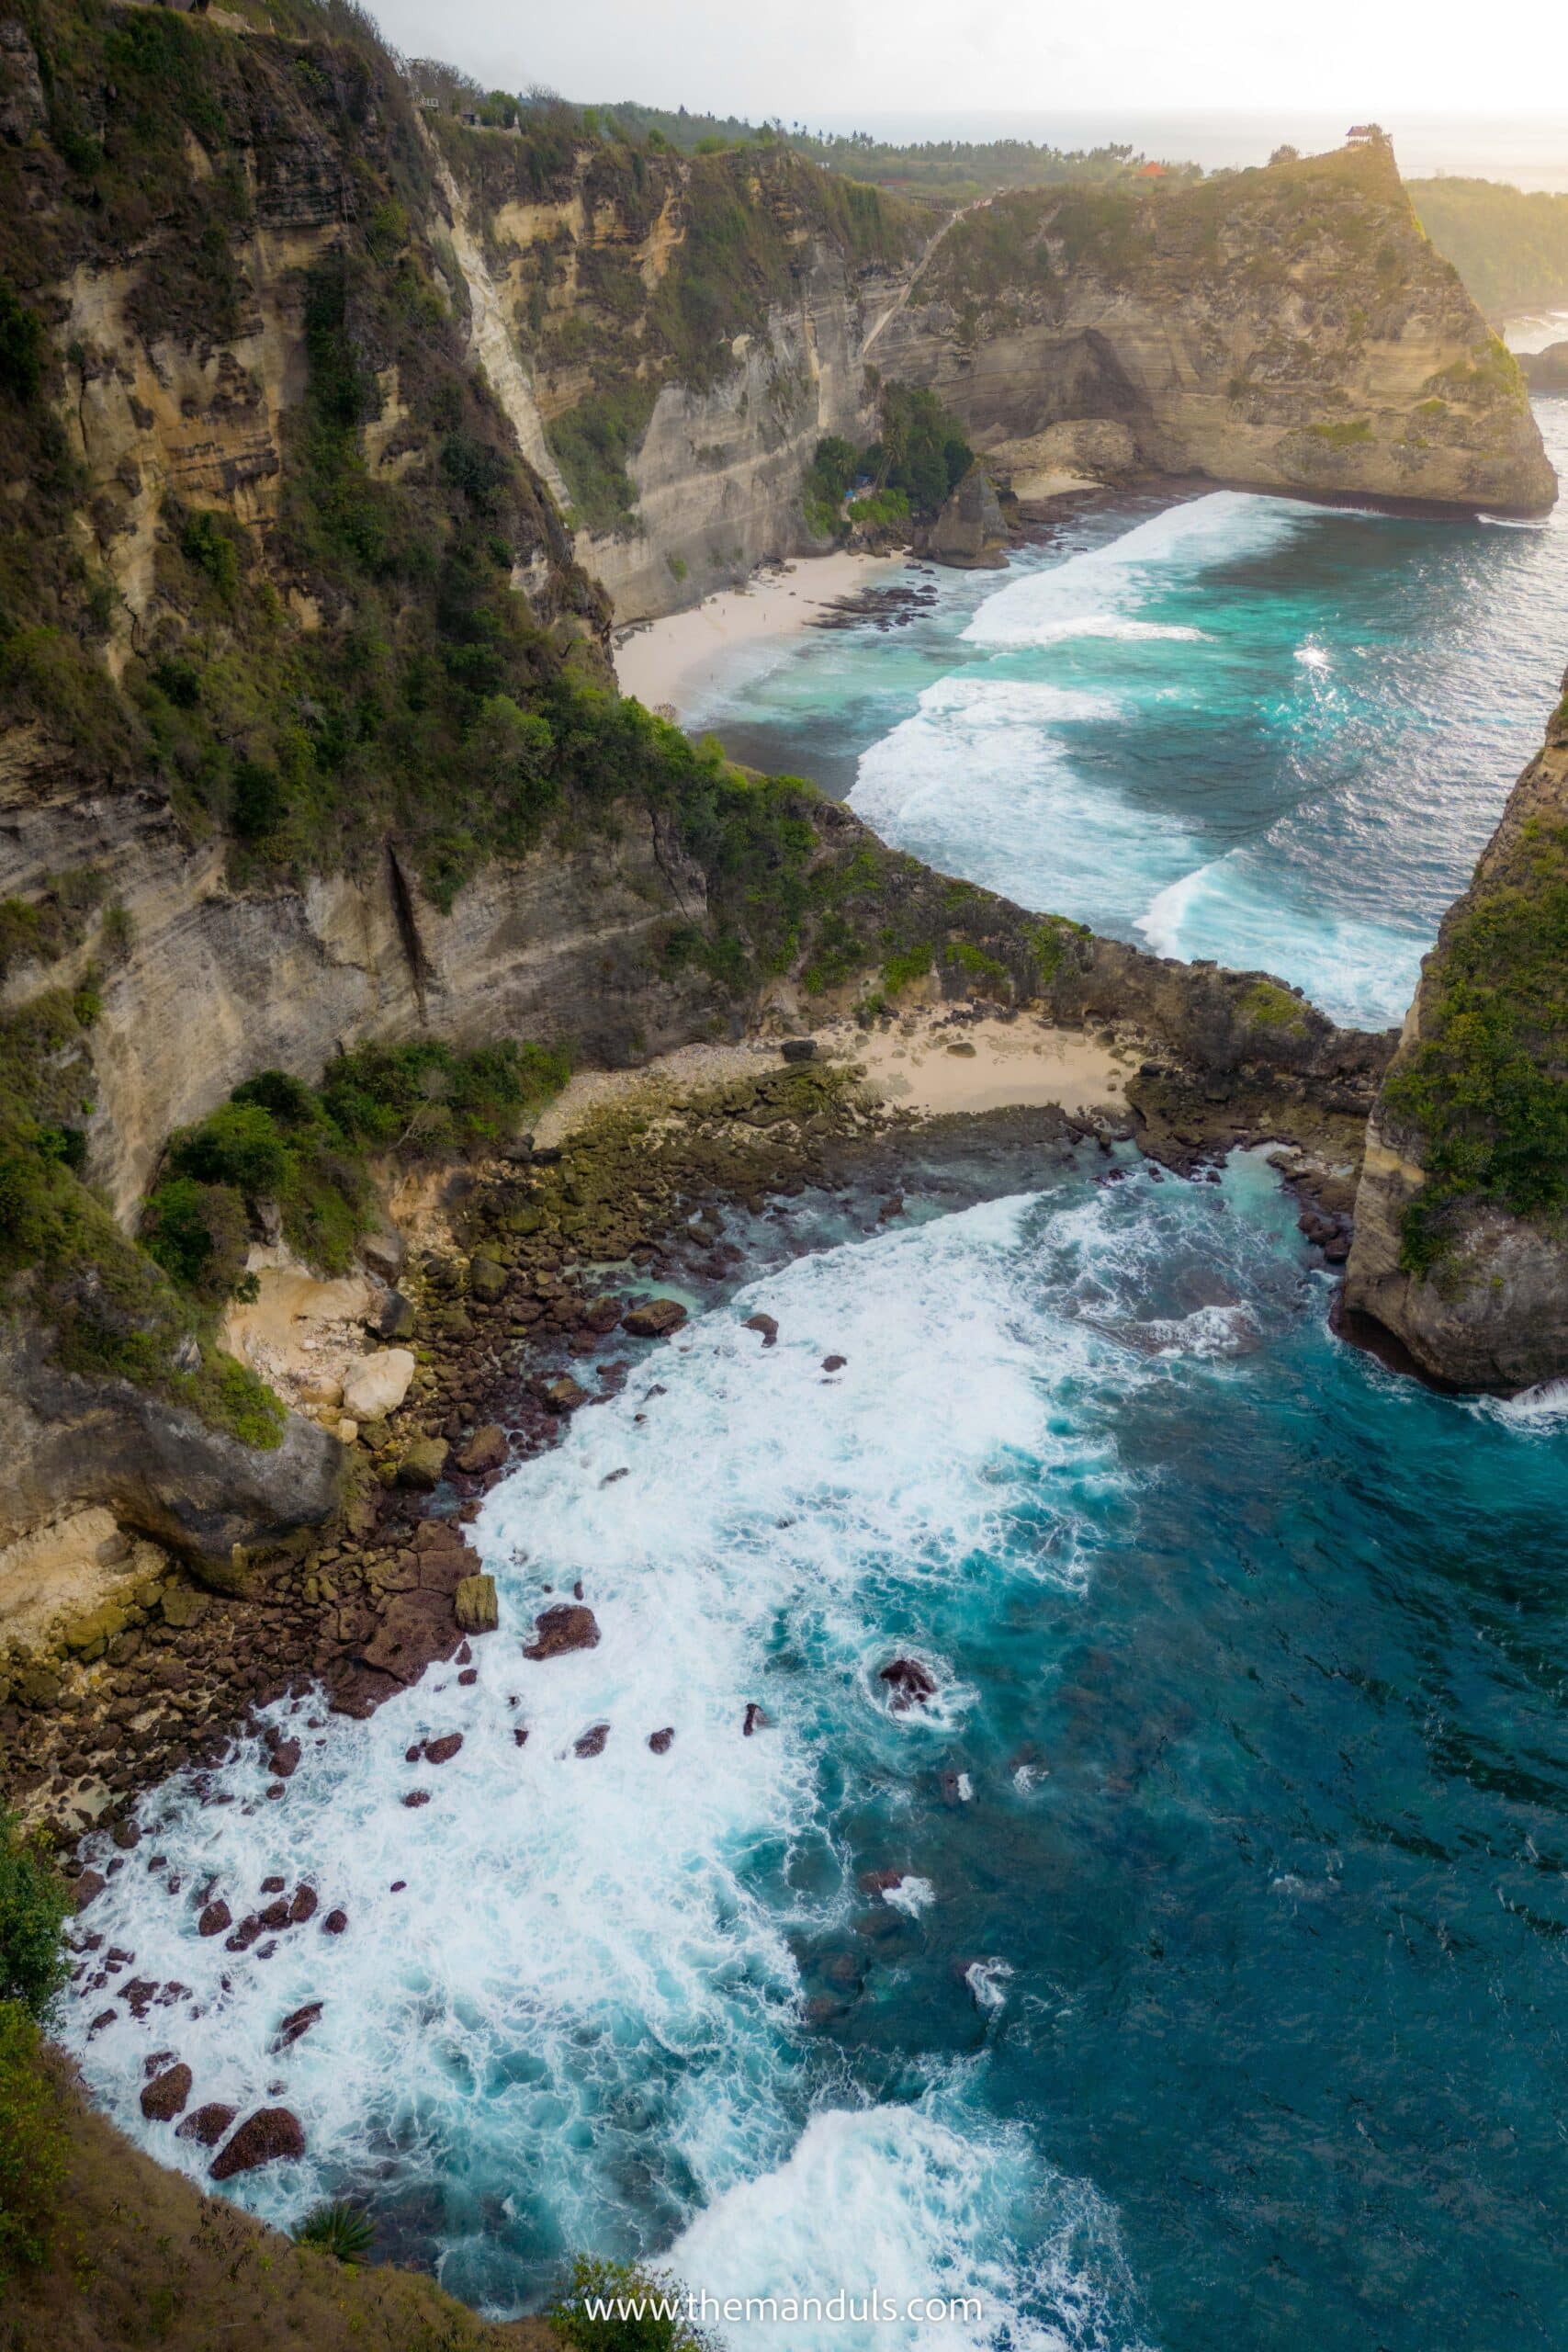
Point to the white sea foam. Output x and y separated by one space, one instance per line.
588 1980
989 1981
982 781
1545 1407
912 1896
899 2202
1110 580
1246 912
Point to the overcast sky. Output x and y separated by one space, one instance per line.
844 59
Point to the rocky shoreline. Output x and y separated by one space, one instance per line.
548 1292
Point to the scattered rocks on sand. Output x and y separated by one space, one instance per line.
273 2135
166 2095
653 1319
909 1684
799 1049
566 1626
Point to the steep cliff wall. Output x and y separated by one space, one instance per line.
1287 329
1290 328
1461 1216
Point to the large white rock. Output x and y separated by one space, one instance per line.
377 1384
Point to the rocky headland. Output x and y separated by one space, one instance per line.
1461 1249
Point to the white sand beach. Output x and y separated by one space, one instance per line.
670 664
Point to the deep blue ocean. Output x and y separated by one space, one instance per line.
1192 1972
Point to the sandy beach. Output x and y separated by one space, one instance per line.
670 664
925 1064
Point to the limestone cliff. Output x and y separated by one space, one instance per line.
1461 1216
1288 328
307 732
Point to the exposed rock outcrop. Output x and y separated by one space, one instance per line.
971 531
1288 328
1461 1215
65 1439
1546 371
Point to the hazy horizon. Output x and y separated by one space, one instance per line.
1231 73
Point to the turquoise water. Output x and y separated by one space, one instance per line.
1241 727
1223 1997
1192 1971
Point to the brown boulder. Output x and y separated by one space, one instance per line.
90 1882
653 1319
165 2095
303 1907
563 1396
567 1626
442 1751
417 1629
215 1919
486 1450
271 2135
335 1923
285 1758
909 1684
207 2124
591 1741
662 1741
297 2022
476 1606
766 1325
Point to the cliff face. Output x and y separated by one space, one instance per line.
323 421
1461 1216
1284 329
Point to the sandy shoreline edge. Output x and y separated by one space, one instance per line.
674 662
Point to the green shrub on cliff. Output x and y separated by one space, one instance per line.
279 1143
1511 249
1486 1089
34 1905
617 2307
